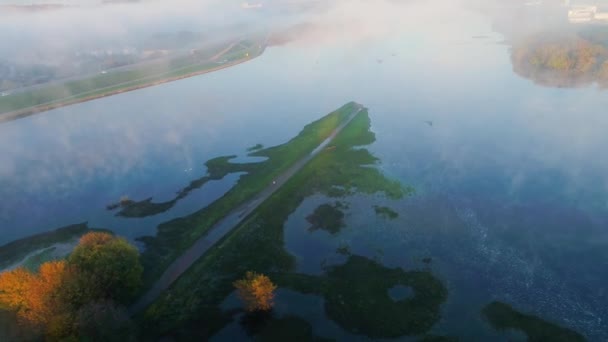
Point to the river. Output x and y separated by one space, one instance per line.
511 177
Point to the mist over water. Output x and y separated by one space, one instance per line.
511 177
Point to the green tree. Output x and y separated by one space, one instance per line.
105 267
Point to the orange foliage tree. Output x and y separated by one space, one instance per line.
34 297
14 288
101 267
257 291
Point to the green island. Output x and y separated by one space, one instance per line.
191 307
386 212
55 95
327 217
563 59
356 297
39 247
502 316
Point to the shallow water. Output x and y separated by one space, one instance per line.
511 178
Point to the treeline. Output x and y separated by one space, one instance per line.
561 59
82 296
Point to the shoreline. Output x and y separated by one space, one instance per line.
22 113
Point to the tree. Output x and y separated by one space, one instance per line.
105 321
64 296
257 291
43 303
105 267
14 287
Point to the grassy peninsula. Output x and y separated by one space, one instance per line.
341 170
175 236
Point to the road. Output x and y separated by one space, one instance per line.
228 223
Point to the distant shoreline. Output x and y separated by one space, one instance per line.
22 113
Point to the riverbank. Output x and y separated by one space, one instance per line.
231 58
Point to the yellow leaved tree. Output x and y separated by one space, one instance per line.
257 291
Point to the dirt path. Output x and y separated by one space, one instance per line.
227 224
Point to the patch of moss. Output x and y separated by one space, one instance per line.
356 297
19 249
386 212
257 244
502 316
327 217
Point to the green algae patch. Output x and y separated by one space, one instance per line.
257 244
327 217
386 212
502 316
356 297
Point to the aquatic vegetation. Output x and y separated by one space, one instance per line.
257 244
356 297
502 316
327 217
385 212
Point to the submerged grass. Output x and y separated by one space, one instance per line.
502 316
386 212
356 297
327 217
191 306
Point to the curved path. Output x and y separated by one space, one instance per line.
228 223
